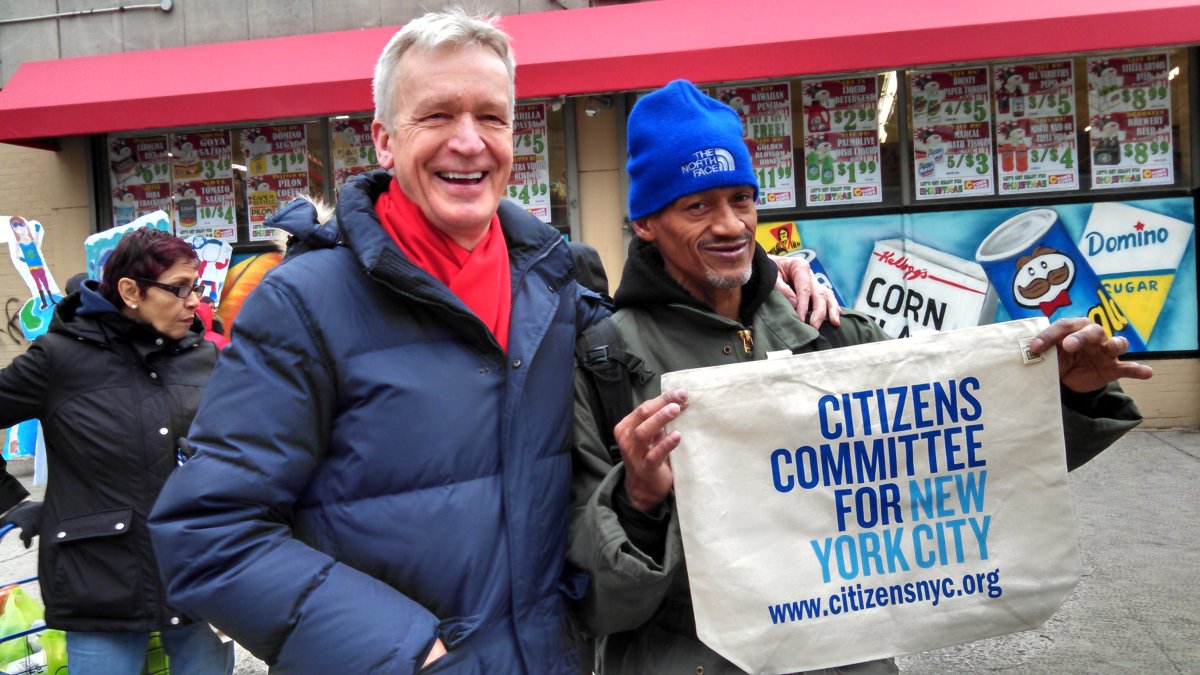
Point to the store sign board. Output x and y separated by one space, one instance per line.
1129 113
276 172
952 133
202 185
841 142
766 115
1035 127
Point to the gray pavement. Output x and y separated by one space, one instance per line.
1137 609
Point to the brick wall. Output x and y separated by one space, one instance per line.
52 188
1170 398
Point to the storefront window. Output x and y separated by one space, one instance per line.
1050 127
1041 129
539 175
225 183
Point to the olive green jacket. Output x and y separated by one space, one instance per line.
638 600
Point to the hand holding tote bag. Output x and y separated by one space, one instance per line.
877 500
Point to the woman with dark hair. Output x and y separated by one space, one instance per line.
115 382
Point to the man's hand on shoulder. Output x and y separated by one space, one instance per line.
646 447
814 302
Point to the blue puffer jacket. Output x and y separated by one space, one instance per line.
372 471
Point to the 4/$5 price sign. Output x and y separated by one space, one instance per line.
914 491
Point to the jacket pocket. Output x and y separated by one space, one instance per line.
96 572
103 524
460 656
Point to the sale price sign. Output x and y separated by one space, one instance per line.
1129 107
841 141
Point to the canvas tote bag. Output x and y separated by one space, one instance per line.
874 501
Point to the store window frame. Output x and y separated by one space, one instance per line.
100 200
1187 177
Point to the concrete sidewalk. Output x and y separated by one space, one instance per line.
1137 609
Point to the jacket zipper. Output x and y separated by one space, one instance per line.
747 339
525 272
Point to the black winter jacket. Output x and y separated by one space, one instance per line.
114 396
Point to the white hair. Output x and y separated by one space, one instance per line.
453 26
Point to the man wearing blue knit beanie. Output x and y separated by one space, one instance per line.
696 291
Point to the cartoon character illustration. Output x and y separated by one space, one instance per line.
214 257
31 255
187 151
98 247
816 107
256 151
783 235
731 98
124 208
258 147
1043 280
120 158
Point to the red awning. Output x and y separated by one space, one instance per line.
601 49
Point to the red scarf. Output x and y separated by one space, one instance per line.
480 278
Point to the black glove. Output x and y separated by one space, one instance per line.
28 517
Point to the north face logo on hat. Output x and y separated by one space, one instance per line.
709 161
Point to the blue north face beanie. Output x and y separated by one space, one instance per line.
681 141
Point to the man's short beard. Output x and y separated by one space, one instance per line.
729 282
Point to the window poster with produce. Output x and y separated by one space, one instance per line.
952 133
202 181
529 183
1129 115
353 149
766 115
276 172
1035 127
140 176
841 142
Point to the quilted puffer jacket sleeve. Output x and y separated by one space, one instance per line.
221 524
626 584
22 384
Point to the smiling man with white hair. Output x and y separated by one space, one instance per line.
379 480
